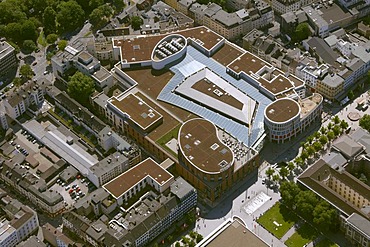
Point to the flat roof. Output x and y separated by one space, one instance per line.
138 110
282 110
227 54
247 63
140 48
199 142
213 92
121 184
277 85
233 233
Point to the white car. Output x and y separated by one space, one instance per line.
67 187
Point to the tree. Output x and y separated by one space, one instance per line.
336 130
310 151
365 122
288 192
336 120
325 217
317 146
26 71
304 155
80 87
316 135
269 172
330 126
177 244
100 15
62 44
29 45
49 19
323 130
302 32
323 140
310 139
199 238
136 22
331 136
51 38
29 30
119 5
291 166
351 95
70 15
298 161
93 4
343 124
305 203
276 178
18 81
283 172
14 31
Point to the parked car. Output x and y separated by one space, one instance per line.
67 187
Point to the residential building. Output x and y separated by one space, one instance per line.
33 241
311 74
19 99
55 237
152 215
285 6
328 18
282 124
31 186
7 57
23 222
232 25
125 186
331 87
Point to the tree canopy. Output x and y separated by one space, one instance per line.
80 87
70 15
136 22
26 71
365 122
62 44
301 32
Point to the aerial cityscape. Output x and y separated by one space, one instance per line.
185 123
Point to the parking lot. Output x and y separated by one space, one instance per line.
70 194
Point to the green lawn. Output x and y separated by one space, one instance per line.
281 215
304 235
326 243
41 39
169 136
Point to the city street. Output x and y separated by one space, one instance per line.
234 205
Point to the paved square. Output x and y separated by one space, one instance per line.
255 203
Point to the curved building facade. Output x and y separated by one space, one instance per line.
168 50
285 118
207 162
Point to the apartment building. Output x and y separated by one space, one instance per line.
232 25
32 187
55 237
18 100
285 6
8 59
23 222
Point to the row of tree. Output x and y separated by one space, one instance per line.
319 139
309 206
314 144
